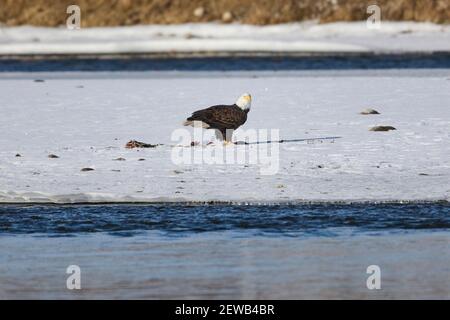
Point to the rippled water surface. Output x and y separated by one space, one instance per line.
173 219
225 251
279 63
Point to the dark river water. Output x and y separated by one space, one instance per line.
181 219
201 64
174 251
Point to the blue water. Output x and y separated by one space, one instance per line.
277 63
182 219
181 251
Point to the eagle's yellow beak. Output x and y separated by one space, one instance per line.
248 97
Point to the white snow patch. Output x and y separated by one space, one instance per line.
229 38
88 126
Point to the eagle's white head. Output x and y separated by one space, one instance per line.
244 102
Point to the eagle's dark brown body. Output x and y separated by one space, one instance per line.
224 118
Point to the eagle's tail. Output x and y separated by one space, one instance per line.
196 123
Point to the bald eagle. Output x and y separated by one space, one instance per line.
224 119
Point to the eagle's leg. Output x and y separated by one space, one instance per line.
228 136
224 135
219 135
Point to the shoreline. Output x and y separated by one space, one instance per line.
175 202
218 39
225 55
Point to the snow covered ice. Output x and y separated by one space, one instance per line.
86 119
218 38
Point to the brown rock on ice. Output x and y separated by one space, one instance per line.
87 169
382 128
53 156
369 111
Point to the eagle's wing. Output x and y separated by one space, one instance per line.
220 116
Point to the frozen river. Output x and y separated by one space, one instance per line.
86 118
329 210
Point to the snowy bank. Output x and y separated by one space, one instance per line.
86 121
309 37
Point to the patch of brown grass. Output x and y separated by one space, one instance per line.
260 12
